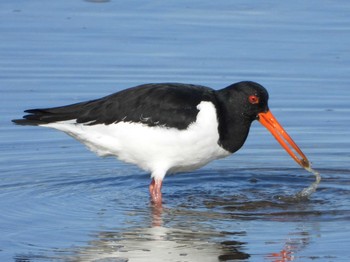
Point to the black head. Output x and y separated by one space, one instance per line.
246 99
244 102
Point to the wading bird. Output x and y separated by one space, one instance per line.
168 127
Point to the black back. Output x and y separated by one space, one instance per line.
168 104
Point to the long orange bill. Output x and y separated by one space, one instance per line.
270 122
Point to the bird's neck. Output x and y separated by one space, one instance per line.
233 125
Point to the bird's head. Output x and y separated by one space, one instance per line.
253 100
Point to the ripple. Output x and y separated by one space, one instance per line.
64 202
256 194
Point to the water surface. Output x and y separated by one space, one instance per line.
59 202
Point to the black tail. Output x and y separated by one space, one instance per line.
49 115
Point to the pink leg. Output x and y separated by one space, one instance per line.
155 191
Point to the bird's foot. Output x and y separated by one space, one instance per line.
155 191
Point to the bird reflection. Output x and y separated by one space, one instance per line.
293 245
156 211
160 243
170 234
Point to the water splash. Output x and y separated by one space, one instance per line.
306 192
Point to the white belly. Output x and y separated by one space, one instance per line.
159 150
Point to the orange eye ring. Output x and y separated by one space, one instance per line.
253 99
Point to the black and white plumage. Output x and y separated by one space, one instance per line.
162 128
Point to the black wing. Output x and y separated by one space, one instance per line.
168 104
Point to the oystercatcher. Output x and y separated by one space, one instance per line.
168 127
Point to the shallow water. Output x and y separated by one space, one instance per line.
59 202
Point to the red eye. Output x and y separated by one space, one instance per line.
253 99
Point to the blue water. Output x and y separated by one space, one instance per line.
59 202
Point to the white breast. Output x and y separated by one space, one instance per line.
158 149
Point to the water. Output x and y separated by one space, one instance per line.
59 202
